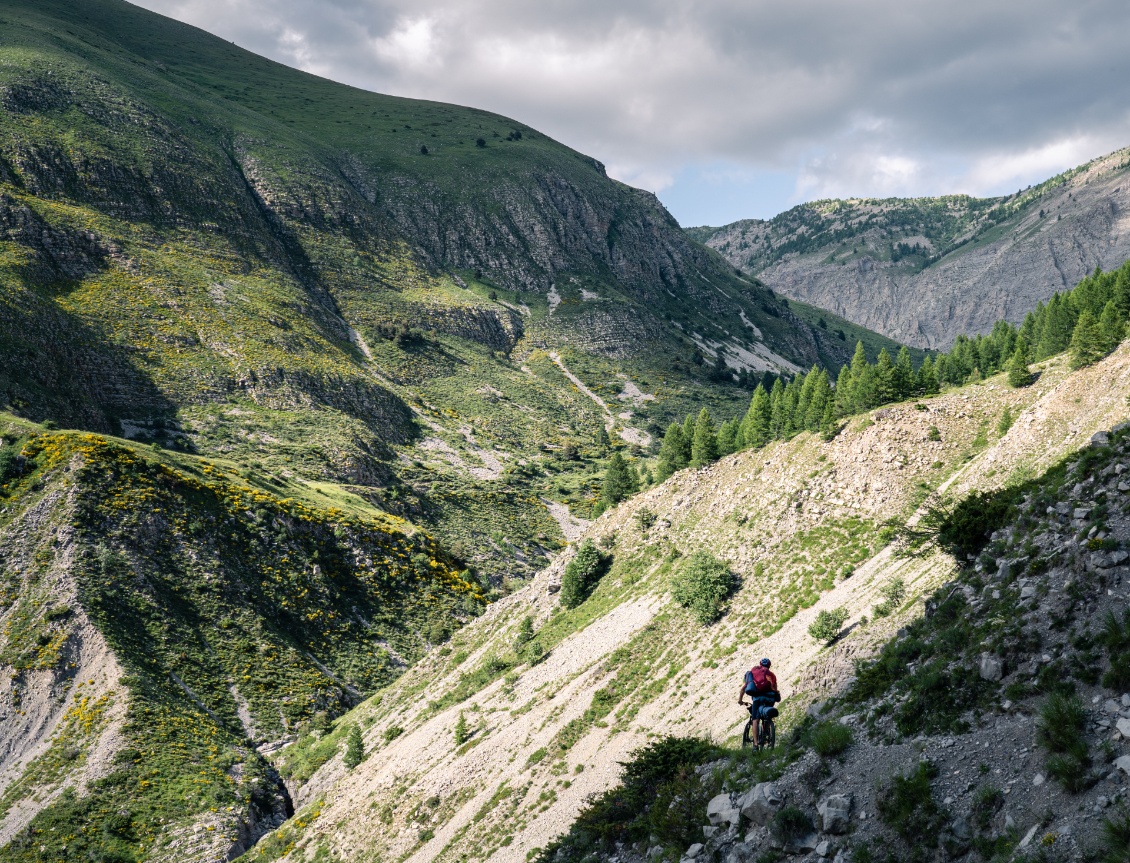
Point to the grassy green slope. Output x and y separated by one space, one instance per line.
238 606
203 247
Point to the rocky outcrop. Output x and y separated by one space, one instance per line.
838 255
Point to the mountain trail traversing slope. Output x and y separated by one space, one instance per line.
801 522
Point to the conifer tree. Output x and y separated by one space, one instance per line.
1058 327
461 733
1086 341
1018 374
619 481
688 437
777 410
758 419
819 399
1112 326
844 395
670 453
828 424
927 379
728 437
354 748
884 388
704 445
904 374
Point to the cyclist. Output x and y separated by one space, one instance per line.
760 684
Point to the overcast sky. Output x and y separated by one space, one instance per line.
738 108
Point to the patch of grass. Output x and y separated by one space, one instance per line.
789 824
830 738
1060 730
907 806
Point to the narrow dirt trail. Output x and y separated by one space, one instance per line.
609 419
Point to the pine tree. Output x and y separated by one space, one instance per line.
927 379
777 407
461 733
354 748
688 437
904 374
525 632
758 419
828 424
884 379
1005 422
1018 374
670 453
820 398
1112 326
1086 341
1058 327
582 574
844 395
728 437
619 481
704 445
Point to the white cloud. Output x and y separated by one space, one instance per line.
875 97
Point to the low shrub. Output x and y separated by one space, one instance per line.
1060 730
893 593
908 807
987 801
827 625
789 824
702 583
830 738
1116 838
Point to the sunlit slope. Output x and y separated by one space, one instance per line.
801 522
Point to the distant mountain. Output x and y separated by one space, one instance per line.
923 270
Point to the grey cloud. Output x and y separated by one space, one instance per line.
840 92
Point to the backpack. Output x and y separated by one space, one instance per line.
756 680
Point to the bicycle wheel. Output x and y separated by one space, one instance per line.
745 733
771 734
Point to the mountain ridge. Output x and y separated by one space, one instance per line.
922 270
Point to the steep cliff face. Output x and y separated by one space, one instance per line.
923 271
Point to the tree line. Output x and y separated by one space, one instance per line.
1089 321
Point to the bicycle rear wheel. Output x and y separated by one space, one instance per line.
746 739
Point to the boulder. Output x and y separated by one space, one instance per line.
1081 513
1123 764
693 851
1123 726
741 853
721 810
1100 438
760 803
802 845
1028 591
835 813
991 667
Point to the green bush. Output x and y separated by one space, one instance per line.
828 624
893 593
830 738
582 574
908 807
462 735
789 824
702 583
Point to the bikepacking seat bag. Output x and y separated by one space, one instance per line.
767 711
